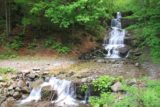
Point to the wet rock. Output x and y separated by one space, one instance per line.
123 51
48 93
116 87
36 83
94 53
128 40
17 95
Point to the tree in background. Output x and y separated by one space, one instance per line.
148 14
69 13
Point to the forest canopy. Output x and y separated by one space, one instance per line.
91 15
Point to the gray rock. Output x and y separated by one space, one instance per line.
25 72
14 77
10 102
10 93
10 88
123 51
21 83
2 99
2 79
36 69
137 64
25 90
116 87
101 61
32 76
18 89
132 82
17 95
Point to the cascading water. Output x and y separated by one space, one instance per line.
65 91
116 40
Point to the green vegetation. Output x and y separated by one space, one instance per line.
71 13
36 18
7 70
8 54
58 46
147 95
103 83
147 29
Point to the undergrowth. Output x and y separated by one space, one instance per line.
147 94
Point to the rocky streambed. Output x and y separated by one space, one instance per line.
20 84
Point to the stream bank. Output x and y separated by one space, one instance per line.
77 71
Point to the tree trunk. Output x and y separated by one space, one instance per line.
7 15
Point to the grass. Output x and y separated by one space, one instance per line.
7 70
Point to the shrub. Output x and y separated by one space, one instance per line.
148 96
16 43
103 83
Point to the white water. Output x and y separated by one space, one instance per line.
65 91
116 39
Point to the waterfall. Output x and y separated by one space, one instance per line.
65 91
116 40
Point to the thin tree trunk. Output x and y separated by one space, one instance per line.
6 15
8 19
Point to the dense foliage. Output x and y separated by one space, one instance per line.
70 13
148 15
147 95
41 16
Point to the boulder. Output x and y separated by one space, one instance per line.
48 94
116 87
128 41
123 51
